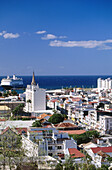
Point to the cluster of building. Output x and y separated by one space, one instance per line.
89 109
86 109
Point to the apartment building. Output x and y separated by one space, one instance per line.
105 123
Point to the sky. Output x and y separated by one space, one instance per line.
56 37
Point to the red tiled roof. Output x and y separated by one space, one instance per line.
92 102
66 125
75 153
76 99
109 109
48 126
78 132
20 130
28 116
54 100
103 149
5 130
61 155
2 119
42 116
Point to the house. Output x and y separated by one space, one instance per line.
74 153
99 155
66 126
50 141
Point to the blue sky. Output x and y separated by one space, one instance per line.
56 37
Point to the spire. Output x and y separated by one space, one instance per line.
33 80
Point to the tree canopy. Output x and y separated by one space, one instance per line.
37 123
18 109
85 137
56 118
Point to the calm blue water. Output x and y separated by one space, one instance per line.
54 82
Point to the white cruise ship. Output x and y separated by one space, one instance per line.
13 82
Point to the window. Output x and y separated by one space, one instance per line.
50 154
59 147
49 147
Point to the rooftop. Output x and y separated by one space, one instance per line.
66 125
75 153
103 149
78 132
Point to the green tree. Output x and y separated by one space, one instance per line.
5 94
59 166
104 167
56 118
18 109
37 123
109 159
14 93
85 137
69 163
91 167
11 150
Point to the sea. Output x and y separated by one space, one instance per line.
57 82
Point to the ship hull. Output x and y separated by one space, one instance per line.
11 87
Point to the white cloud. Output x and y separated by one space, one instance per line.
61 37
10 35
2 33
85 44
49 37
40 32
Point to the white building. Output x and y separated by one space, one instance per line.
105 124
35 97
104 84
92 118
51 141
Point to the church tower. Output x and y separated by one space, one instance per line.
35 97
33 80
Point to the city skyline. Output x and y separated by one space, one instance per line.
55 37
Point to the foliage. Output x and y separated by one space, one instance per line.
91 167
69 164
65 116
56 118
20 118
18 109
37 123
11 151
85 137
14 93
28 166
109 159
59 166
5 94
104 167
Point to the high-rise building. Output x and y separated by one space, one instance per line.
35 97
104 84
